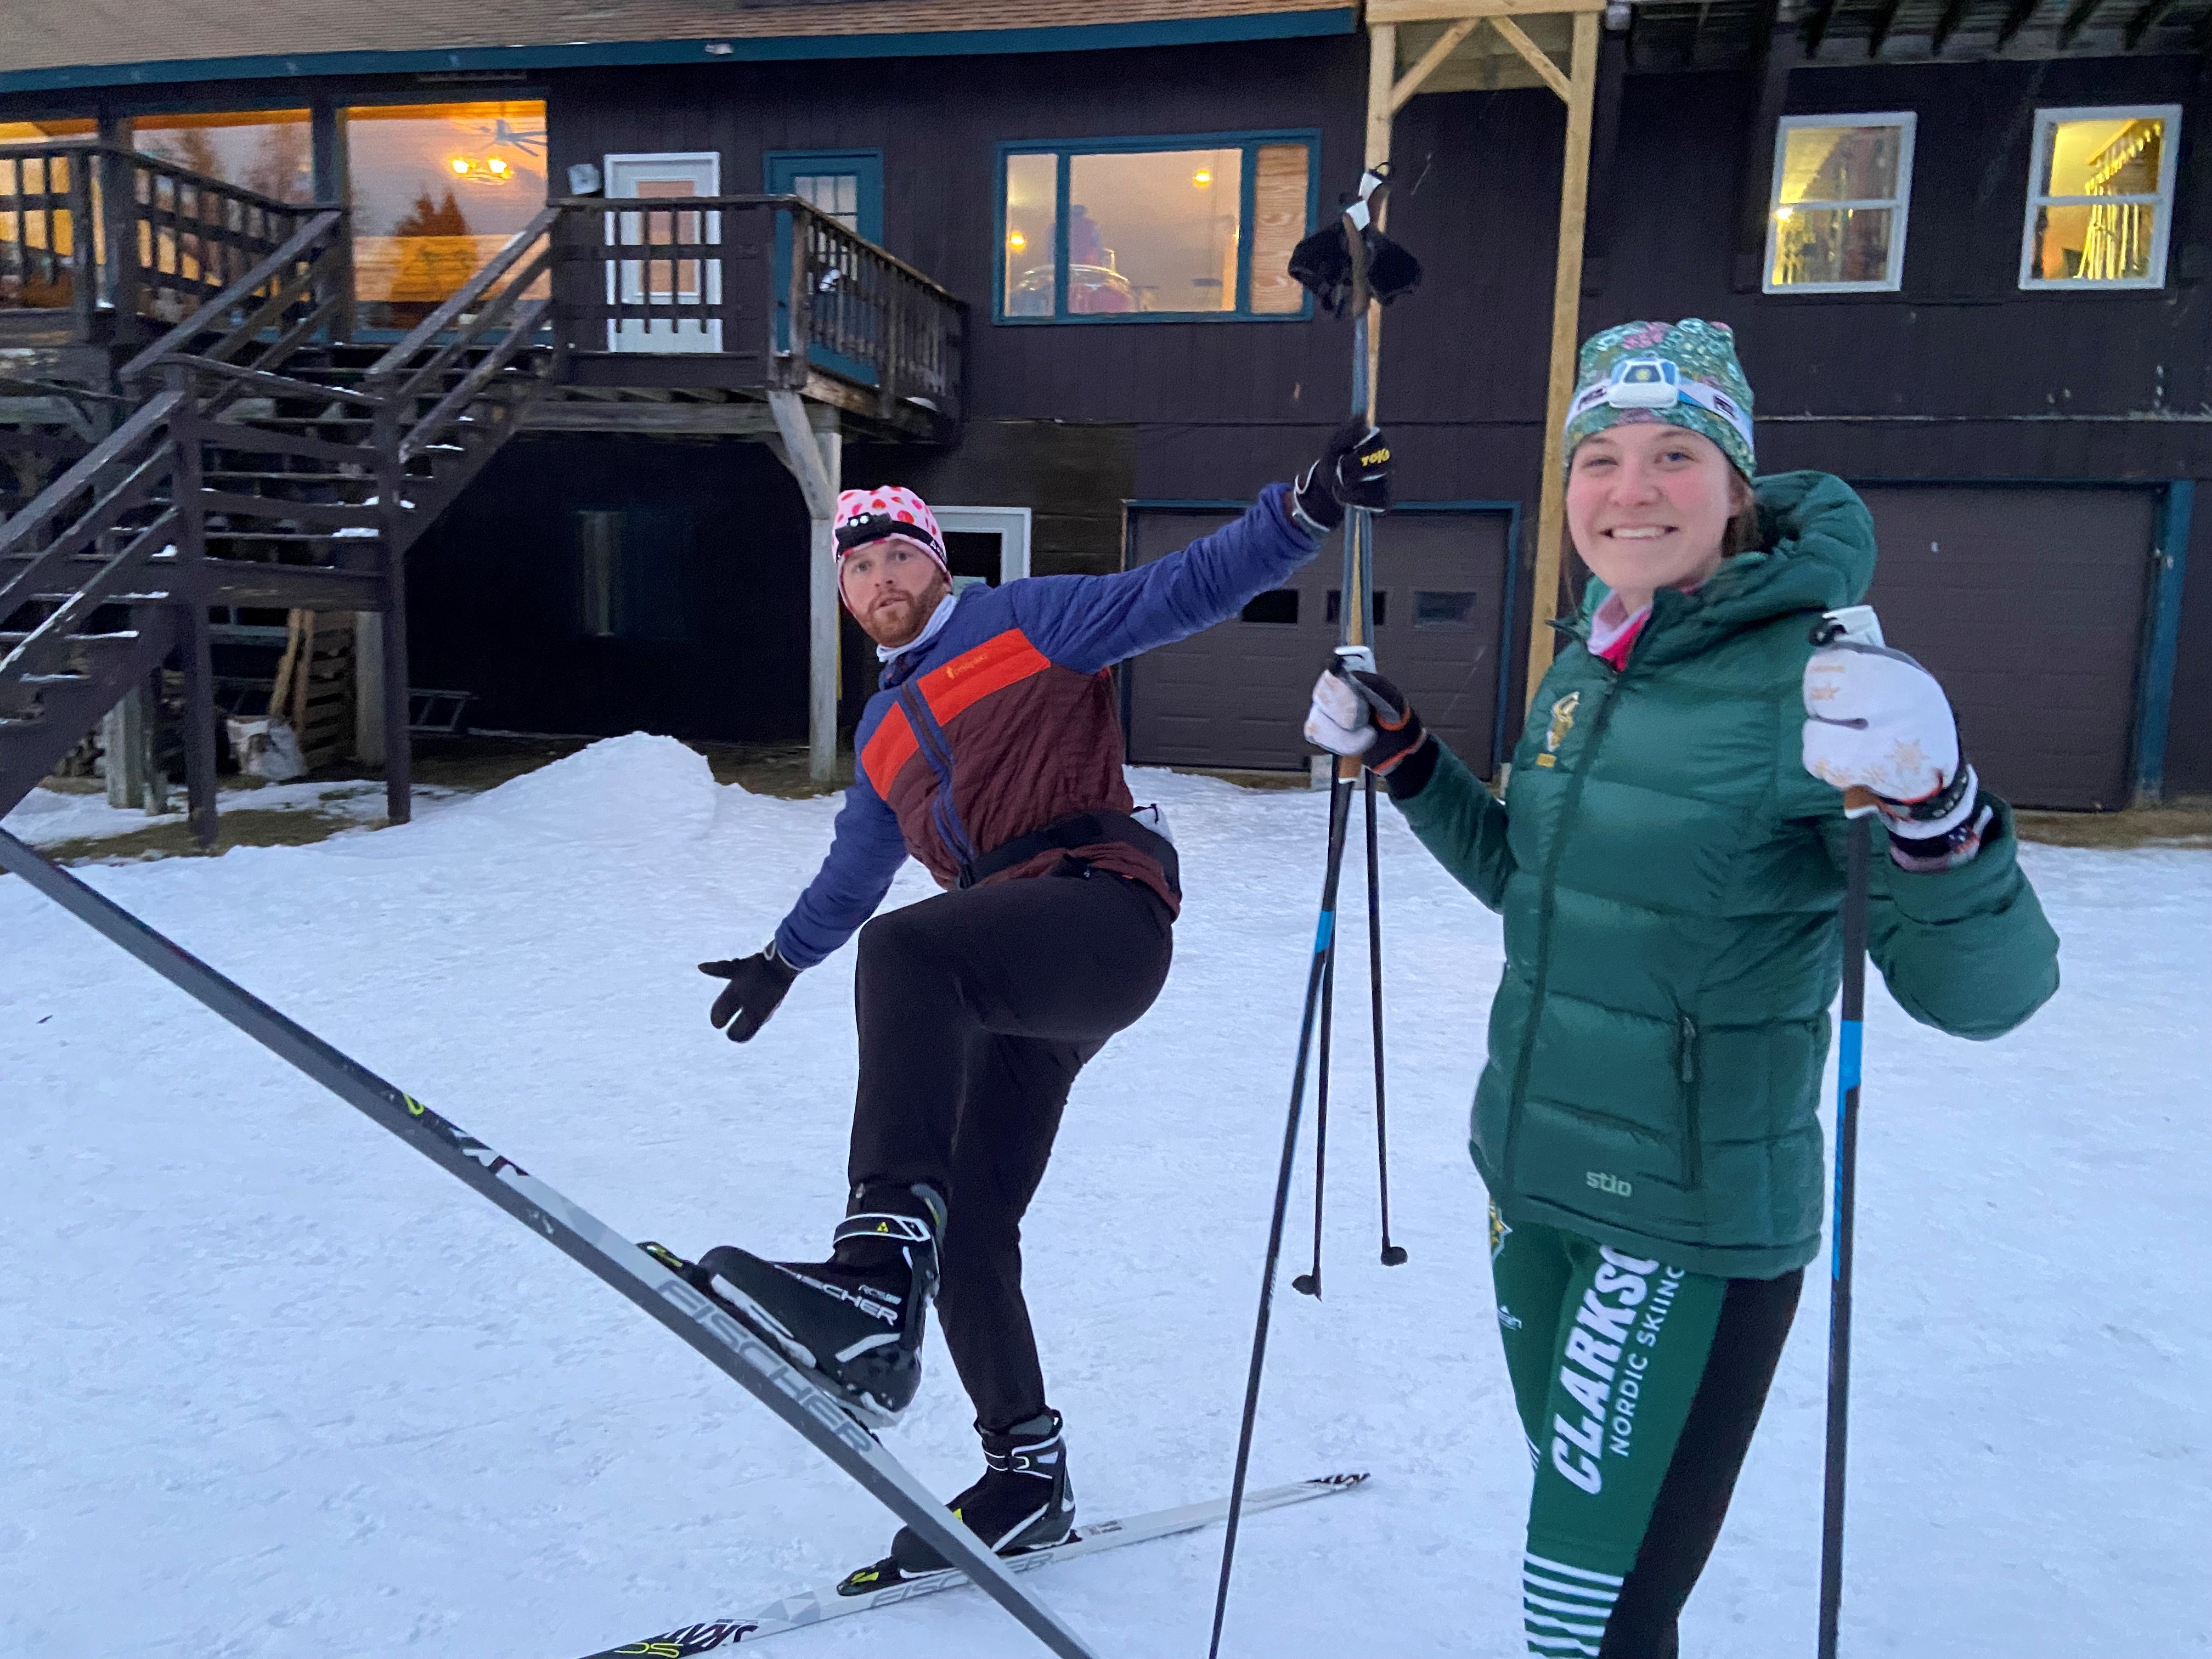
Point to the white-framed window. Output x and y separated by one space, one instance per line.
2101 197
1836 211
970 533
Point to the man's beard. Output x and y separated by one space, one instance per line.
917 612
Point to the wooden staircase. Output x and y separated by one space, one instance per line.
266 463
251 455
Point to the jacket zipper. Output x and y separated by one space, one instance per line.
1546 897
935 744
1693 1148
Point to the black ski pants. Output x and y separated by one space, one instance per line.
976 1010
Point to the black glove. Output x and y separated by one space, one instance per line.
1354 471
1399 734
757 984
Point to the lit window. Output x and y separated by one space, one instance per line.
1155 231
38 271
1836 216
269 152
437 189
2100 197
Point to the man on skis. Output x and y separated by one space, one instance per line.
993 754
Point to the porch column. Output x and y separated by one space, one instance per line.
811 446
368 687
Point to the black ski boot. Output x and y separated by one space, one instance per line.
1023 1502
857 1319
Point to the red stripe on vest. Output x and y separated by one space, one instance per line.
891 747
1000 661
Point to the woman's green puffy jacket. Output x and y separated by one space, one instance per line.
1670 878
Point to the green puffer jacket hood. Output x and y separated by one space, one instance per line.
1670 878
1820 553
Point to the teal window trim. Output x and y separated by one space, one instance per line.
778 167
1063 150
2162 639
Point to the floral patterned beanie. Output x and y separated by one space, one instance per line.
1682 375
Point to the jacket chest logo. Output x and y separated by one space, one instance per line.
1563 722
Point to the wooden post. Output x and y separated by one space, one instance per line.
194 644
391 482
122 735
1566 318
368 687
815 458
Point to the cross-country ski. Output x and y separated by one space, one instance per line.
846 1597
928 660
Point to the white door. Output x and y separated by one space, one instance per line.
670 283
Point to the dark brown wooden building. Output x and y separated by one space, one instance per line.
1965 246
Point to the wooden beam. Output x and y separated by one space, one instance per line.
1878 31
816 459
2082 12
1537 60
1815 27
731 420
1566 321
1946 25
2140 24
1429 61
1448 11
2014 21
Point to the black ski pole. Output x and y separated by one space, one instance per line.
794 1397
1340 801
1309 1284
1393 1254
1856 623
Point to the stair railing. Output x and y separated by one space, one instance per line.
132 470
296 292
503 307
117 236
135 498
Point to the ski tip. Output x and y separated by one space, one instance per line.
1339 1482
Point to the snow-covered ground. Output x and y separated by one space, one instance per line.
275 1385
46 817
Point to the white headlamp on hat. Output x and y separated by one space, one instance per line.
1643 383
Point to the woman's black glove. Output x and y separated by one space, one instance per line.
757 984
1354 471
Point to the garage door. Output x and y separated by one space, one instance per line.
1235 694
2028 605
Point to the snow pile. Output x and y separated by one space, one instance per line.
278 1386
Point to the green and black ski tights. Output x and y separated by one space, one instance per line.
1638 1387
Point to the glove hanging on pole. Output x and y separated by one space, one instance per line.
1322 265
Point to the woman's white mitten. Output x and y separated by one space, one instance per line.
1877 720
1337 721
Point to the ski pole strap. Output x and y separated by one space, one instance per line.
1081 829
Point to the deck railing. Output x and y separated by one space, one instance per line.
768 280
104 232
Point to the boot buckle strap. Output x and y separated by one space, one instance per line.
893 1229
